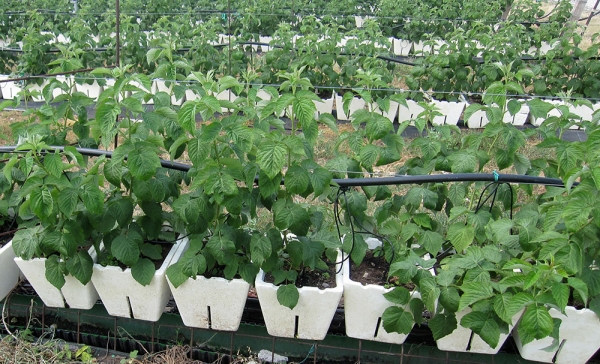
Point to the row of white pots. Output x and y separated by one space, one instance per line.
218 304
451 111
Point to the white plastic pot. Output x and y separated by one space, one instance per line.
582 111
94 90
451 112
8 90
464 340
392 113
520 117
211 303
363 308
311 317
10 271
401 47
123 296
356 104
410 113
73 293
578 339
478 120
325 107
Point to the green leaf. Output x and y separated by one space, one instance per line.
81 266
442 324
502 307
126 248
580 287
536 323
320 178
152 251
186 117
193 266
398 295
67 200
61 242
271 157
431 241
143 271
461 236
463 162
54 273
198 151
143 162
221 247
93 198
296 179
42 202
113 171
484 325
378 127
260 249
26 242
449 298
311 252
474 292
288 295
53 164
175 275
397 320
560 293
122 211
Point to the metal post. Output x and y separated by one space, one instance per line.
118 56
578 10
229 31
118 34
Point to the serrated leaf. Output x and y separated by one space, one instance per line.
288 296
221 247
484 325
271 158
311 252
398 295
42 203
143 162
68 200
53 164
442 324
126 248
320 178
93 198
152 251
122 211
395 319
81 266
431 241
198 151
560 293
296 179
53 272
474 292
260 249
502 307
143 271
461 236
536 323
113 171
175 275
449 298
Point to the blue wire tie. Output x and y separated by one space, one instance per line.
496 176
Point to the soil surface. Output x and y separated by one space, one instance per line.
372 270
312 278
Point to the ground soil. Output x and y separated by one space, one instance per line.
373 270
312 278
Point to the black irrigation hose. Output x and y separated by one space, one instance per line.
362 182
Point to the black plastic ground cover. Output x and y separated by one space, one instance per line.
96 328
